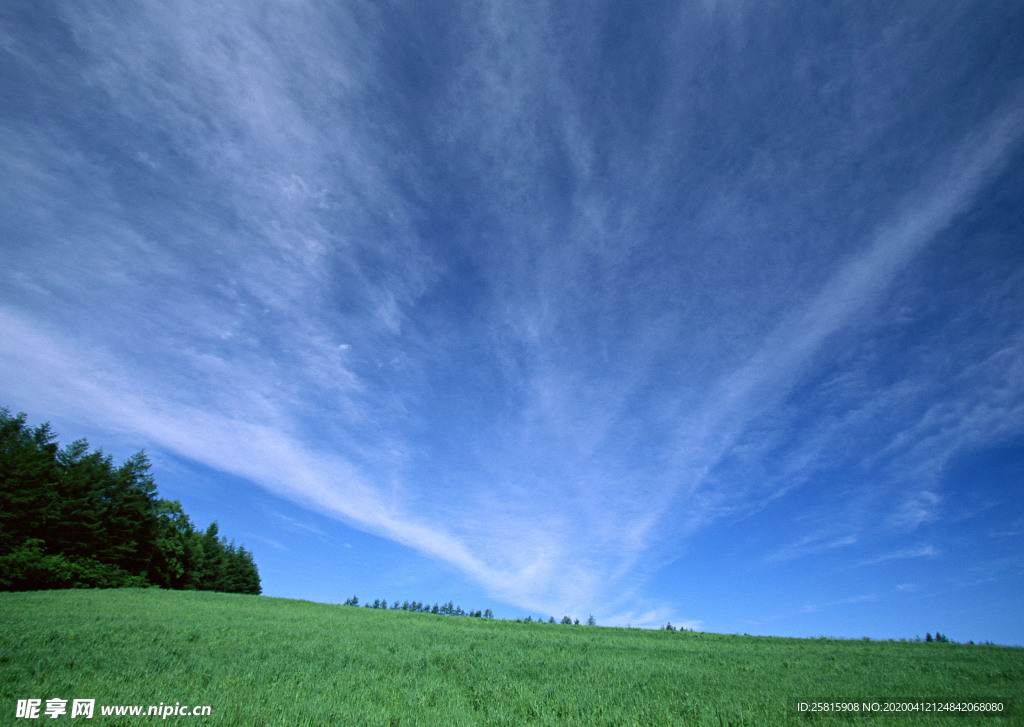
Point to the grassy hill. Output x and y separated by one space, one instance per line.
267 661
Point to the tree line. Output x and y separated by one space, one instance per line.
446 609
450 609
566 621
70 518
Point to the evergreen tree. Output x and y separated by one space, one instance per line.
70 518
175 558
29 504
130 518
213 565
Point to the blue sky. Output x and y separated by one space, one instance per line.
706 312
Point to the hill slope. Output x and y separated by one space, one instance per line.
266 661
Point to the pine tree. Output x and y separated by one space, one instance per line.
70 518
174 560
212 572
131 518
29 504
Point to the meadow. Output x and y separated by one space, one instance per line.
265 661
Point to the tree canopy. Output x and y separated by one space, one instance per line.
70 518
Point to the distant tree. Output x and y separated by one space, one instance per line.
928 637
591 621
447 609
566 621
551 620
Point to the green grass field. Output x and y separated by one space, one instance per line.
266 661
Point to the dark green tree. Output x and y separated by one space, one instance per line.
213 563
29 504
70 518
176 556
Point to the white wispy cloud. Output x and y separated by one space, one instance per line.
809 545
924 551
818 607
774 366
